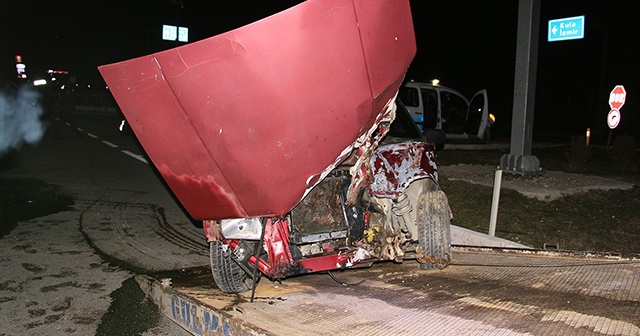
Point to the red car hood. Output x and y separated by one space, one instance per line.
243 124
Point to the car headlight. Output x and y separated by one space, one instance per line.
241 228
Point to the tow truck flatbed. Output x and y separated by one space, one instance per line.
483 292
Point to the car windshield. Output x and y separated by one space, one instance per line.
403 126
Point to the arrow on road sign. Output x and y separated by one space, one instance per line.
613 119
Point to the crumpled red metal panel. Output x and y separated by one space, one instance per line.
395 166
276 238
243 124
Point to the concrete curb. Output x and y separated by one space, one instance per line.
462 236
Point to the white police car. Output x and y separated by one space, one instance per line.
440 111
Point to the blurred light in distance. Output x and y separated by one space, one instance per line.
62 72
435 82
39 82
588 136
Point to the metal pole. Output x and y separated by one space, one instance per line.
258 252
497 182
519 159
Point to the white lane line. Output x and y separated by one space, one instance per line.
135 156
110 144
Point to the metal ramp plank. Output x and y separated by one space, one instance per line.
480 294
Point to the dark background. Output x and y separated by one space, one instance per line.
468 45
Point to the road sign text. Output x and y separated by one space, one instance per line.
566 29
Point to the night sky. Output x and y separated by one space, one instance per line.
468 45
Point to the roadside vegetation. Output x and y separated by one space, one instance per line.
606 221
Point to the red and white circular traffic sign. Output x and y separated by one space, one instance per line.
613 119
617 97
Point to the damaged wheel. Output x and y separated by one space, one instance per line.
227 274
434 232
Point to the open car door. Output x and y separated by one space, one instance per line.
477 115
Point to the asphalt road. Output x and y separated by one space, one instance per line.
71 272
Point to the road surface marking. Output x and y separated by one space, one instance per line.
110 144
135 156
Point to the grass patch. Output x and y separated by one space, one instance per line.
601 163
592 221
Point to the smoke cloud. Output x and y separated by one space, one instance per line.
20 112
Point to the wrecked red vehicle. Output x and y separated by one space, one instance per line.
275 136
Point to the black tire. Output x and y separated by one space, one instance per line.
434 231
227 274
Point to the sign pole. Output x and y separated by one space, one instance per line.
495 201
519 159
